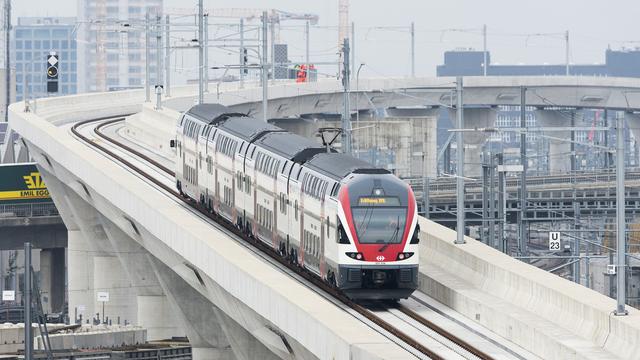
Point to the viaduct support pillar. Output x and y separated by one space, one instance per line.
560 145
633 122
52 277
475 118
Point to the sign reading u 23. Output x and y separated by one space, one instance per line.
554 240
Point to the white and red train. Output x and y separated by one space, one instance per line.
336 216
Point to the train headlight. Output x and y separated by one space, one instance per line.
355 255
404 255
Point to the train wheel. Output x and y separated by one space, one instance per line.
331 278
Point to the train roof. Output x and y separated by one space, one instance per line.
248 128
338 165
212 113
291 146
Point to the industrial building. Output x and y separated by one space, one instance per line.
469 62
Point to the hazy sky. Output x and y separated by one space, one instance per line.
593 26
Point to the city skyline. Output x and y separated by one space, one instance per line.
512 36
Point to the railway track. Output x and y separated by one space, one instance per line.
455 342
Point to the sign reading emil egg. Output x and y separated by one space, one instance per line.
554 240
103 296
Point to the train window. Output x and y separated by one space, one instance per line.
328 226
295 209
248 184
284 204
314 186
336 189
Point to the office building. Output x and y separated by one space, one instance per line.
34 39
111 37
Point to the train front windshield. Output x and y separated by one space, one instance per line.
379 220
379 226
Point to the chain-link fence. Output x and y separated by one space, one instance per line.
28 210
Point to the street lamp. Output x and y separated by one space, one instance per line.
357 105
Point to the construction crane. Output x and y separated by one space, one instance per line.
275 16
101 51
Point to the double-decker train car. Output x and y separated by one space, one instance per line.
351 224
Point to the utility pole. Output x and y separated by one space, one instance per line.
147 59
502 205
158 61
25 90
306 37
242 62
492 200
566 39
485 54
206 52
459 163
574 164
265 69
484 234
200 52
621 247
273 53
346 114
7 59
522 223
167 59
413 50
353 48
28 336
607 154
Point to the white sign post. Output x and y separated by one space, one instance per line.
8 295
103 297
554 240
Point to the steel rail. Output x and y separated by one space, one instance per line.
449 336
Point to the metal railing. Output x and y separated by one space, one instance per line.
28 210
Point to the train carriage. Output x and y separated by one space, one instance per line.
338 217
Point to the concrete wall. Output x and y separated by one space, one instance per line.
95 337
542 312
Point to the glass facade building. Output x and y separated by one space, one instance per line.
112 56
34 39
